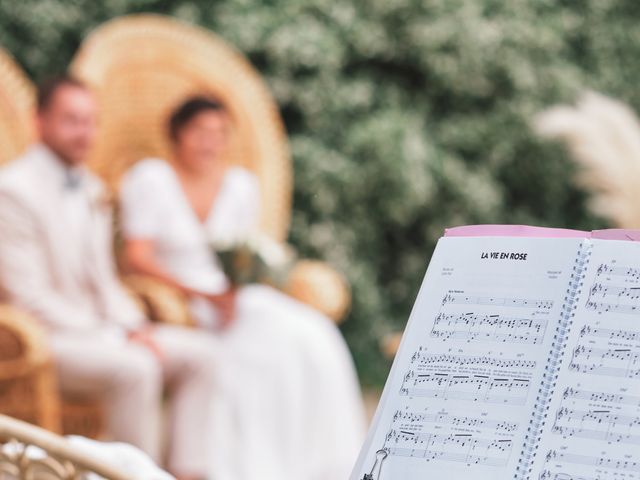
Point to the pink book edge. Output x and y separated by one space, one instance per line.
544 232
617 234
513 231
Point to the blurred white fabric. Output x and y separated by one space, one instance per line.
289 406
122 456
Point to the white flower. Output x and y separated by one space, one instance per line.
227 239
274 254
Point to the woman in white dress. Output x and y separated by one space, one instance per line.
288 406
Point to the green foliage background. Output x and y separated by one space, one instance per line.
405 116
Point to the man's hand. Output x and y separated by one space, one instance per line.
225 303
145 338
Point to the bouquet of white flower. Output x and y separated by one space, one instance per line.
256 260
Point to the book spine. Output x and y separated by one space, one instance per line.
541 408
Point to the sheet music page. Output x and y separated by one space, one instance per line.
463 386
592 429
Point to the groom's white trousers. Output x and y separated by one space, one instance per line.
129 379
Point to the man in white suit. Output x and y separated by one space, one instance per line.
56 262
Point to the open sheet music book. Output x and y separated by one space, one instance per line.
521 360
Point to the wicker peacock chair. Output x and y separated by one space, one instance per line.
17 98
28 388
27 381
141 67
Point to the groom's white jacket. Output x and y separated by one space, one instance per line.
65 277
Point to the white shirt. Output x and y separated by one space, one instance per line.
75 209
75 212
155 207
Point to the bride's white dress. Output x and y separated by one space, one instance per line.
289 405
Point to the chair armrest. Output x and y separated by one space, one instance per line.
61 458
312 282
162 303
320 286
28 386
23 343
390 343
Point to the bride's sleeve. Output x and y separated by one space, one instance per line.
140 202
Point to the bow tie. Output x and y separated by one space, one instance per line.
72 179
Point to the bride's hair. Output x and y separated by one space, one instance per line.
188 109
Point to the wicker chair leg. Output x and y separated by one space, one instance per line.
46 393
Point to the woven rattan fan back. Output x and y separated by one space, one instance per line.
142 66
17 99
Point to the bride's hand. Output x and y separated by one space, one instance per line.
225 303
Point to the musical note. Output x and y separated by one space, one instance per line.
461 299
489 328
564 460
631 293
597 425
476 388
605 297
430 454
425 359
418 435
605 307
550 475
615 398
614 362
632 272
609 334
409 418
